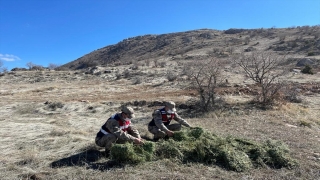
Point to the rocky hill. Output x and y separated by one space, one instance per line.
198 44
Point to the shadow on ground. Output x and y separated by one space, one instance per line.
86 158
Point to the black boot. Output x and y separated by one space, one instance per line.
107 153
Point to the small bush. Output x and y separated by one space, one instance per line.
55 105
305 124
311 54
171 76
307 70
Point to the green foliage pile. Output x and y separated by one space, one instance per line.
129 153
197 145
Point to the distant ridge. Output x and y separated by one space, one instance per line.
200 43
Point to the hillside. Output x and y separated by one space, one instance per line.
199 44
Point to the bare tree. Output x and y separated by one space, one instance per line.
205 77
52 66
263 69
247 40
30 65
3 69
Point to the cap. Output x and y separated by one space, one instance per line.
171 105
128 111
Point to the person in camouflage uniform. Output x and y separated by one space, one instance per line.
160 125
118 129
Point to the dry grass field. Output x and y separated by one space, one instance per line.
49 120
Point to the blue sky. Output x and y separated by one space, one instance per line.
60 31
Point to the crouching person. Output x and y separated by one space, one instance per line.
160 125
118 129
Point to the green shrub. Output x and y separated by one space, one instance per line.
305 124
311 53
307 70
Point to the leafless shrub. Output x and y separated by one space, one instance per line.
205 77
137 80
30 65
230 50
147 62
135 66
247 40
2 69
171 76
118 75
37 68
52 66
185 69
261 67
156 63
291 94
54 105
126 73
163 64
282 37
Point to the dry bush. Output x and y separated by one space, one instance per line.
135 66
118 75
263 69
291 93
171 76
163 64
52 66
54 105
137 80
205 77
126 73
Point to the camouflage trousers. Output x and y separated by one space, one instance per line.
107 141
161 134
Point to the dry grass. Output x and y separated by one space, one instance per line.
57 142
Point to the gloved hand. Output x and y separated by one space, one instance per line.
170 133
138 141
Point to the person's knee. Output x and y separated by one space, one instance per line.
107 139
175 127
160 134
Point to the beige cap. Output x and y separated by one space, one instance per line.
128 111
171 105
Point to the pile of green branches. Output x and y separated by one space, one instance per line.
197 145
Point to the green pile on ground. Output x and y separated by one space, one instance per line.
129 153
197 145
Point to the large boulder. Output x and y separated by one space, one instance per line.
304 62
